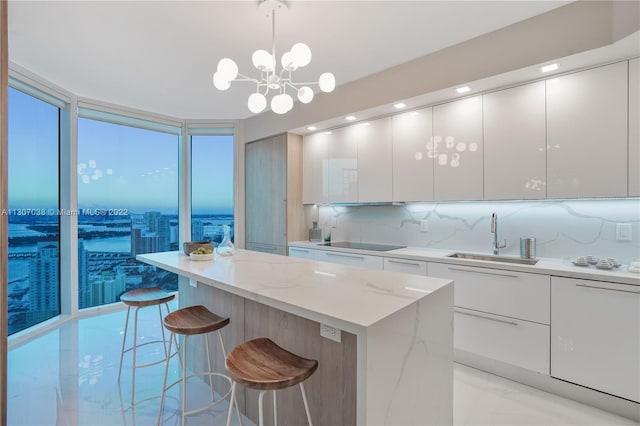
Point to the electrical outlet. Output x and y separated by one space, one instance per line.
330 333
424 225
623 232
193 283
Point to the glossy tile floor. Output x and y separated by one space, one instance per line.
69 377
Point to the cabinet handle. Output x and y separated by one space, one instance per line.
403 263
487 318
298 249
345 255
607 288
482 272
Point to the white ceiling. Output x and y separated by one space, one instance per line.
159 56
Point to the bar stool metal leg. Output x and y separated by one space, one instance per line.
124 340
306 405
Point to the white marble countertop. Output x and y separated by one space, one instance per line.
338 295
557 267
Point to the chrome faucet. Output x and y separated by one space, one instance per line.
494 230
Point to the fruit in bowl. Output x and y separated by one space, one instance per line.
205 247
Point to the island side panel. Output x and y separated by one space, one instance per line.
331 391
410 364
224 304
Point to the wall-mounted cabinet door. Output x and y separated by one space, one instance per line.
413 154
375 161
315 169
514 143
457 139
587 133
343 165
634 128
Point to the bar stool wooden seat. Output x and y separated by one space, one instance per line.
263 365
191 321
141 298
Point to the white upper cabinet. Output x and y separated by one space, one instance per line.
374 161
343 165
413 156
315 169
514 143
587 133
634 128
457 140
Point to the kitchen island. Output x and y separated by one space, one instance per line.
393 363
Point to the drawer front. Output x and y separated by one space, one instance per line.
512 294
517 342
406 266
302 253
353 259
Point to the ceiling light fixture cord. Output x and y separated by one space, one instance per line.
299 56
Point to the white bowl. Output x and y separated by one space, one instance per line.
207 256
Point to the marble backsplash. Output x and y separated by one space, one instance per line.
562 228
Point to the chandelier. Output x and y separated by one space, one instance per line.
274 80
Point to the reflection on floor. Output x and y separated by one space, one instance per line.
69 377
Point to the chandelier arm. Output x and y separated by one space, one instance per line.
290 84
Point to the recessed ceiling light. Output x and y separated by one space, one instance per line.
350 118
415 113
549 68
312 128
399 105
463 89
327 133
366 124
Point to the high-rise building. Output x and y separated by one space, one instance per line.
84 296
152 221
143 242
44 282
197 230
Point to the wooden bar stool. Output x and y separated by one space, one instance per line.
140 298
261 364
190 321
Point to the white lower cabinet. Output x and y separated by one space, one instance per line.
502 315
513 341
508 293
595 335
303 253
406 266
353 259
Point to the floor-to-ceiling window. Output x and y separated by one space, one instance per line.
128 182
211 184
33 216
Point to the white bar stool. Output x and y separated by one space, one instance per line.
195 320
261 364
140 298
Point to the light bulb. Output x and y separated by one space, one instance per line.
281 104
263 60
288 62
257 103
220 82
301 54
227 69
327 82
305 94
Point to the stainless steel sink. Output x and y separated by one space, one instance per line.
492 258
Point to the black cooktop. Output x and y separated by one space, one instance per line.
362 246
